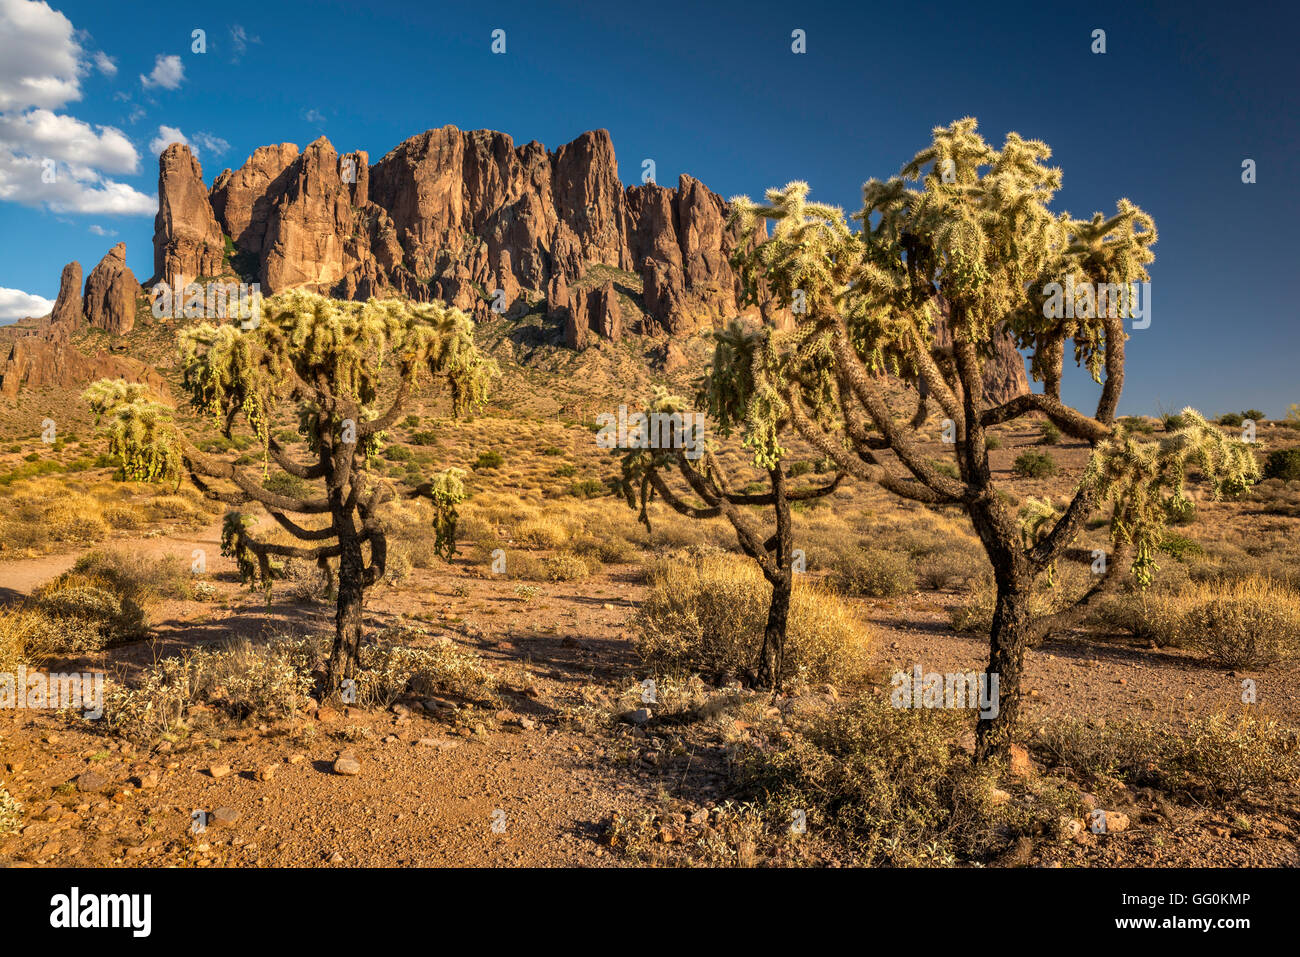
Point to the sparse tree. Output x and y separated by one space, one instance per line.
327 363
977 245
737 404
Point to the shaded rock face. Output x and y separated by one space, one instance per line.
67 307
187 241
111 293
473 220
466 217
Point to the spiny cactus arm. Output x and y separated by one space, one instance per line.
281 458
677 503
371 426
852 465
1051 546
296 530
204 465
865 391
1070 421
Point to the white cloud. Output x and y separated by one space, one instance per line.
16 304
75 189
168 72
48 159
43 134
314 116
239 41
167 135
101 231
214 145
40 60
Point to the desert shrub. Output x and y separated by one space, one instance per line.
11 812
874 572
425 437
1051 435
552 450
390 671
588 488
1033 464
398 453
491 459
894 786
1283 464
992 442
398 563
282 483
1243 623
1136 423
103 599
1232 419
27 637
543 532
567 470
1172 421
1221 756
1255 415
124 517
962 563
566 567
706 611
153 706
609 549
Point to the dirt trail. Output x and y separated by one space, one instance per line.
18 577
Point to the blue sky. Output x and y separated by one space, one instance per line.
1184 93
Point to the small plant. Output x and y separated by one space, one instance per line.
1283 464
1051 435
491 459
1231 419
526 593
1033 464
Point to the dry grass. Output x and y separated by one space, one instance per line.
706 611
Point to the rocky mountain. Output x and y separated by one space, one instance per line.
46 357
465 217
472 219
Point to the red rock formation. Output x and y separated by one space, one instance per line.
46 357
187 241
111 293
242 201
67 307
459 215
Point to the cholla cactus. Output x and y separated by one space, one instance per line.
328 362
976 245
738 402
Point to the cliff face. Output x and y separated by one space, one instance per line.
47 358
456 216
473 220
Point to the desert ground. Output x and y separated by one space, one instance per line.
507 720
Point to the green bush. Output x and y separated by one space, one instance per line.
1051 434
1032 464
1283 464
489 460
